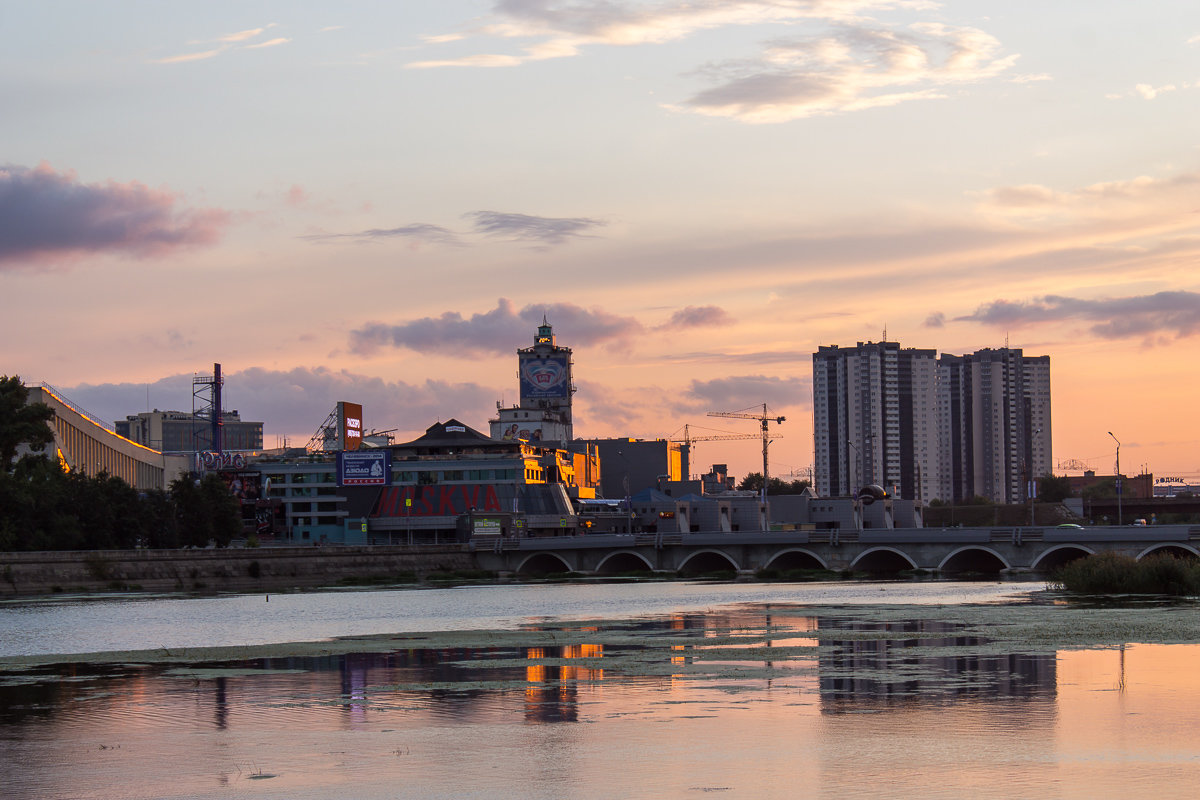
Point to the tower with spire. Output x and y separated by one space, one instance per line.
544 375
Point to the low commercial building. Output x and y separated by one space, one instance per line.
631 465
455 475
183 431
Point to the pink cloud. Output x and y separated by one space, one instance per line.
47 215
296 196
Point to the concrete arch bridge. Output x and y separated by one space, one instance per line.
943 551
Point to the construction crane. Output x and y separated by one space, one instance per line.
765 420
685 451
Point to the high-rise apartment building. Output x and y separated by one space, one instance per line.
874 419
993 424
926 428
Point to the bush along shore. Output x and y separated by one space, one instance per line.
1112 573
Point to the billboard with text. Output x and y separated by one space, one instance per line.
350 427
365 468
543 378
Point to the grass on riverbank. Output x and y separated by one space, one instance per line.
1112 573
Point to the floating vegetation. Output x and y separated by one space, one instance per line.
1110 573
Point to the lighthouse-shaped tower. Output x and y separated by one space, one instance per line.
544 414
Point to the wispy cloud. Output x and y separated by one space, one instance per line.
1149 92
242 36
200 56
540 231
420 231
849 69
1176 314
1159 198
854 62
497 331
47 215
551 29
527 228
225 43
697 317
268 43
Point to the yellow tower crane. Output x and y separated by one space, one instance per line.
764 419
685 451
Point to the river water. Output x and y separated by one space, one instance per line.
671 690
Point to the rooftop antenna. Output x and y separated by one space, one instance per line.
885 331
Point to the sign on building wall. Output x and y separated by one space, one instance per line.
438 501
365 468
543 378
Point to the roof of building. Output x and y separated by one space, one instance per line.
651 496
453 433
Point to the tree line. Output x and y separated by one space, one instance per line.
44 507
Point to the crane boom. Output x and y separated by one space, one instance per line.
765 419
685 452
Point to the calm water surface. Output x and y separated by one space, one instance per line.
648 690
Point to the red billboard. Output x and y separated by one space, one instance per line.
350 425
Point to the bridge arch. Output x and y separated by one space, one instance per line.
1177 549
706 562
540 564
974 558
882 559
1060 555
795 558
623 561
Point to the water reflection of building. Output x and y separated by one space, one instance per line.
891 663
552 689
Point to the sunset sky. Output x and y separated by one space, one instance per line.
377 202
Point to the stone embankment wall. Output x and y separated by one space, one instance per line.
241 570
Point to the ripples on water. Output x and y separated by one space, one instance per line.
658 690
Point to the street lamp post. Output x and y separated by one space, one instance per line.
855 502
1031 485
1118 481
854 477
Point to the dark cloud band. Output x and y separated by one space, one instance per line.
46 215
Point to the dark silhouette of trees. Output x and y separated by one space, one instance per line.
43 507
1054 488
21 422
754 481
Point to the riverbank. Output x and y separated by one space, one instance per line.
265 569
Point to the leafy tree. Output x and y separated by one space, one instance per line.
1106 488
754 481
21 423
1054 488
222 508
205 511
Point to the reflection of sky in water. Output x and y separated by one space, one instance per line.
751 701
87 626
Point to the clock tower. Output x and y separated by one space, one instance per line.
544 375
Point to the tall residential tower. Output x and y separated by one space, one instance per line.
874 419
927 428
993 424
